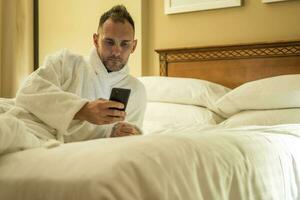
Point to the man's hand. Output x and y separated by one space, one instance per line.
124 129
101 111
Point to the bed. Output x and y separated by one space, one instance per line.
241 142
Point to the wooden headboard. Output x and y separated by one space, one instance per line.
231 65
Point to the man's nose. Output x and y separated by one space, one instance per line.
116 50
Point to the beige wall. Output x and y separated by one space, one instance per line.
1 47
71 24
253 22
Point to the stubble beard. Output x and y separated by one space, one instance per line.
113 64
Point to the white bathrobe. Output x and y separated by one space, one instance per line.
53 94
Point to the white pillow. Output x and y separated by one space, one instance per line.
183 90
269 93
264 117
162 115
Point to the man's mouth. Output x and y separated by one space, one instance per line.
114 59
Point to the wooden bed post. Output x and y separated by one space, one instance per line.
163 64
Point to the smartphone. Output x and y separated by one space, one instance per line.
120 95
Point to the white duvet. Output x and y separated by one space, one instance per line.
212 163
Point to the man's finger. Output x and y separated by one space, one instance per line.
127 129
115 113
115 104
110 120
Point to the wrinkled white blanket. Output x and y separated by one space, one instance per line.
186 163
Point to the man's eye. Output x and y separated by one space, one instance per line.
124 44
109 42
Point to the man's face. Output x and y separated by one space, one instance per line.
114 43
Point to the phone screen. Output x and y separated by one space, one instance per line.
120 95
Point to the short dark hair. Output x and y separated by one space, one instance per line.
117 13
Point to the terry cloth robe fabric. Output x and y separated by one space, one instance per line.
53 94
14 135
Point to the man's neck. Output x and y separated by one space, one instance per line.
108 71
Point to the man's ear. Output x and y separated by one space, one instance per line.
95 39
134 45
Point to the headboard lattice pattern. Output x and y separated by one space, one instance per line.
250 61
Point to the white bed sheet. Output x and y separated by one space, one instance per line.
212 163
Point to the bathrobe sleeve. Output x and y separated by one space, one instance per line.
44 95
13 135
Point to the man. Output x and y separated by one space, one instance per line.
114 43
66 98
